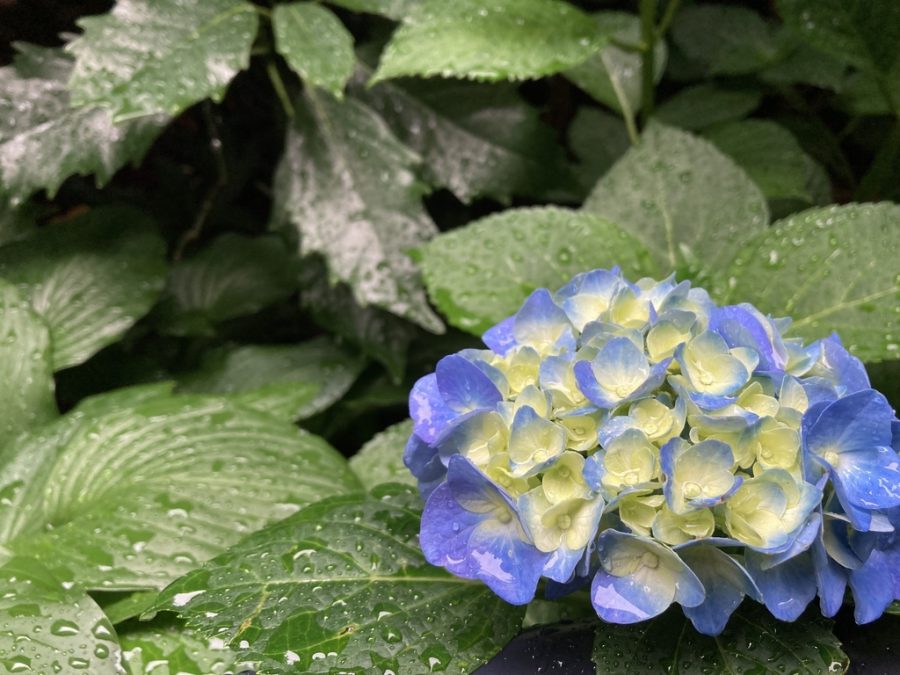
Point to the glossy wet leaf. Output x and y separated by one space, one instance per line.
315 44
343 586
90 278
475 139
348 187
125 605
26 371
704 105
140 486
501 40
598 140
168 649
233 276
381 459
480 274
863 32
49 627
43 140
160 56
831 269
689 204
753 642
769 154
613 75
291 382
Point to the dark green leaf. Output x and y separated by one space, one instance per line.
50 627
703 105
90 278
475 139
689 204
598 140
346 184
480 274
831 269
125 605
233 276
753 642
315 44
140 486
613 75
342 586
290 382
806 65
169 648
160 56
393 9
502 40
26 397
864 94
43 141
381 459
16 222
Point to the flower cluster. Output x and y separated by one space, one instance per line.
640 439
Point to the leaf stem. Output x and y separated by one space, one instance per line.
648 40
666 20
280 89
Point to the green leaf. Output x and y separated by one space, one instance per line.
290 382
393 9
753 642
315 44
51 627
769 154
703 105
830 269
125 605
726 40
233 276
475 139
689 204
806 65
343 586
43 140
135 488
863 32
598 139
16 222
346 184
613 75
381 459
160 648
90 278
863 92
160 56
480 274
502 40
26 397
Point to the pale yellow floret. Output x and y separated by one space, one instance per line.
656 420
638 510
672 528
565 480
581 432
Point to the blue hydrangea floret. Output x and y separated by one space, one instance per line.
641 442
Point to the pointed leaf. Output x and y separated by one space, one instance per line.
381 459
90 278
167 647
347 185
831 269
342 585
599 140
480 274
160 56
703 105
315 44
504 40
689 204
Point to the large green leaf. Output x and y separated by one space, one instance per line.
26 395
598 140
393 9
613 75
381 459
343 586
160 56
43 140
500 40
50 627
135 488
90 278
346 184
480 274
315 44
864 32
167 648
689 204
753 642
831 269
290 382
704 105
475 139
233 276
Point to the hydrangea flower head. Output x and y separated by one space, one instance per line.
637 439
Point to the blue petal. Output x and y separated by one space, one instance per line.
744 326
424 462
871 593
810 532
430 414
787 588
860 421
869 480
842 368
587 383
500 338
561 565
831 580
540 323
464 386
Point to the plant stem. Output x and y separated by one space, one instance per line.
666 20
280 89
648 40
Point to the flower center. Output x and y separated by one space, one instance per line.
649 560
832 457
692 490
564 522
504 516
